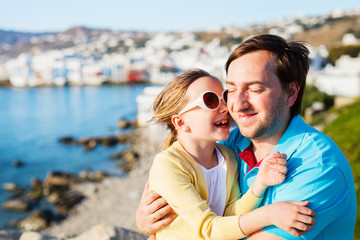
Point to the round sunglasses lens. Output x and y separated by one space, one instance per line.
225 96
211 100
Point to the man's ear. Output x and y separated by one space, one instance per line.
179 123
293 90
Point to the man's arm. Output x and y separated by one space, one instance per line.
151 214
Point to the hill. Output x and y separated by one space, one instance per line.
345 131
321 30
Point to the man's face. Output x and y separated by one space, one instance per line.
256 99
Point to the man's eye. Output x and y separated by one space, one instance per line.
256 90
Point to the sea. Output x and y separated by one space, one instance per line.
32 120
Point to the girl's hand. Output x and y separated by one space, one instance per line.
294 217
272 171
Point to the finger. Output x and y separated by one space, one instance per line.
152 237
151 197
271 156
299 203
306 219
279 155
278 168
276 159
156 205
307 211
296 232
146 190
279 177
162 212
163 222
303 227
281 161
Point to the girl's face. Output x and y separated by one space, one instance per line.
205 125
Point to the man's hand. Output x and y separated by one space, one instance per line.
151 212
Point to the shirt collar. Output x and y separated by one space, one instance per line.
249 158
292 137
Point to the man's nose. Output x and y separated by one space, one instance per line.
241 101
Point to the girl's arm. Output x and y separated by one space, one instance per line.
272 171
293 217
175 182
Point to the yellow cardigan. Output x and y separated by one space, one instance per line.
177 177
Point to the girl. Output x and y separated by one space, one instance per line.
199 178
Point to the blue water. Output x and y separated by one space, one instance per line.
33 119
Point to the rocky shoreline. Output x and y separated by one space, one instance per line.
107 207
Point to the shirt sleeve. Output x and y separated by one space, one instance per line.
174 183
326 192
245 204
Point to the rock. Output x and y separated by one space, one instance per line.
68 201
59 178
10 234
18 163
11 187
37 184
130 235
90 145
122 138
98 232
135 123
100 175
108 141
16 205
67 140
106 232
84 141
29 235
88 175
53 197
130 158
34 195
123 123
38 220
117 155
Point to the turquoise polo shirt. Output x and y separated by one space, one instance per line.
317 171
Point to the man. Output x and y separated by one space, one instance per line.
266 78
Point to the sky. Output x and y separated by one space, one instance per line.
156 15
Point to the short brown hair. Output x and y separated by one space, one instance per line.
291 61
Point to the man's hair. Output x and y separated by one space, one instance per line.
291 61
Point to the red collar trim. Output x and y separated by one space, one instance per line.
249 158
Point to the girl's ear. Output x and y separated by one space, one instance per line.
179 123
293 91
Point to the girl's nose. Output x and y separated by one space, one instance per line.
223 108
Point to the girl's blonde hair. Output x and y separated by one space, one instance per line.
172 99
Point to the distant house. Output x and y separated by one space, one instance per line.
20 71
343 80
136 75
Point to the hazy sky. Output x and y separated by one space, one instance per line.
156 15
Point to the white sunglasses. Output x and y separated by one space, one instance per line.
208 100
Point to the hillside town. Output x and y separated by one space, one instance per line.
114 57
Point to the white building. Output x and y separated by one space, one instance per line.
343 80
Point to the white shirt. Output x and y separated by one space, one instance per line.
216 184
